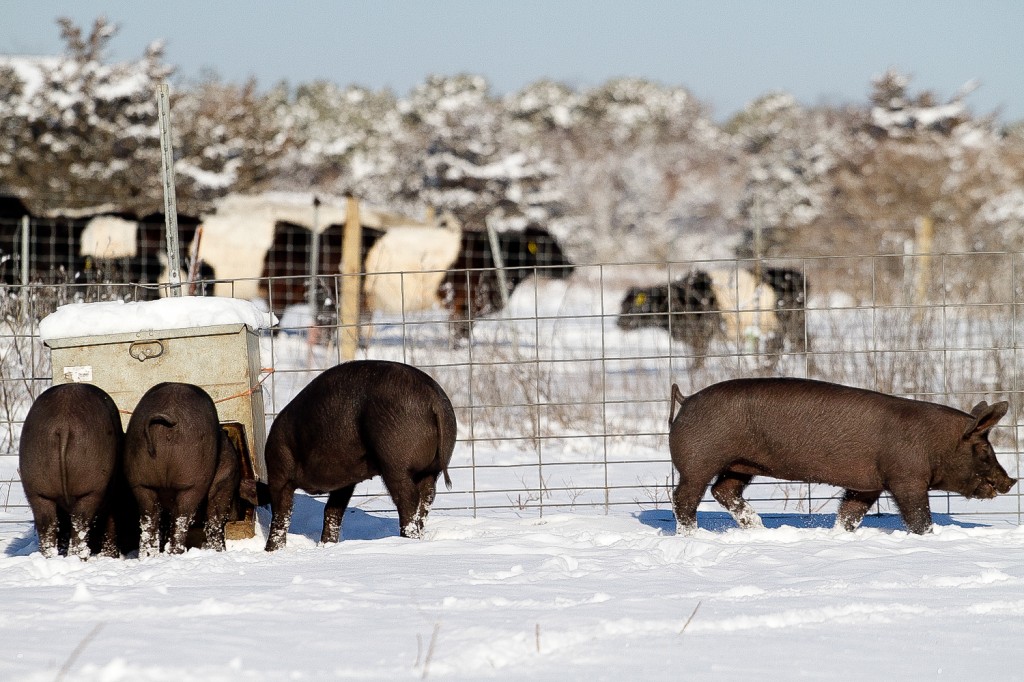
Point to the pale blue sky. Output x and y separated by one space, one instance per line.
726 52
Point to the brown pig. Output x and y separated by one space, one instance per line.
358 420
70 463
177 460
819 432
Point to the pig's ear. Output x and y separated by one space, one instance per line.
987 416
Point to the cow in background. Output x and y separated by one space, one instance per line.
116 250
791 293
412 269
702 305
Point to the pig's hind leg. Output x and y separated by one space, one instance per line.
728 490
44 512
83 512
428 489
406 496
685 500
149 521
186 504
334 513
282 499
854 506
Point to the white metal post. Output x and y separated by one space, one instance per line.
24 250
499 262
24 270
170 205
314 263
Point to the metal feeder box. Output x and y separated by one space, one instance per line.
223 359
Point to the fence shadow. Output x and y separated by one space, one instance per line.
718 522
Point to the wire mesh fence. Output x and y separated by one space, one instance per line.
562 406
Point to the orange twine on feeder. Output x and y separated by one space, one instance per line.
249 391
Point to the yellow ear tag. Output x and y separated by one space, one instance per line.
532 247
640 299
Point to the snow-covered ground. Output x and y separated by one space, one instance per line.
525 573
565 597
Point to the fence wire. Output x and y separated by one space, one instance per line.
562 409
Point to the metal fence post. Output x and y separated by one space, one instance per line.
499 262
170 204
314 266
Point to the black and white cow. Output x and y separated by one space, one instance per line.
729 303
115 250
790 287
417 268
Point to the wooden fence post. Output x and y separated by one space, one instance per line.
351 282
925 235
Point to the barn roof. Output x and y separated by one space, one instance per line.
297 208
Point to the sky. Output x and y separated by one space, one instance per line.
726 53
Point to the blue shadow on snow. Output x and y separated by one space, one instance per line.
664 520
308 520
24 545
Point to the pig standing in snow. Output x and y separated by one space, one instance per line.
176 459
818 432
70 464
355 421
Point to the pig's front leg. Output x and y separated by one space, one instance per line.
912 500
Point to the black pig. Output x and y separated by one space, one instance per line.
70 463
355 421
176 459
805 430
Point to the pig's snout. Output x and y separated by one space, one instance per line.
1005 483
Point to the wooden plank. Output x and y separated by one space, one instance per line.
351 281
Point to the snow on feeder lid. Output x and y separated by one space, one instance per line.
118 317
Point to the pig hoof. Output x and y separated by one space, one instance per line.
413 530
686 528
747 518
276 541
848 525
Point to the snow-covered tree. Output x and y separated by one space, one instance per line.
12 133
643 169
789 155
226 139
474 165
912 157
343 140
86 134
